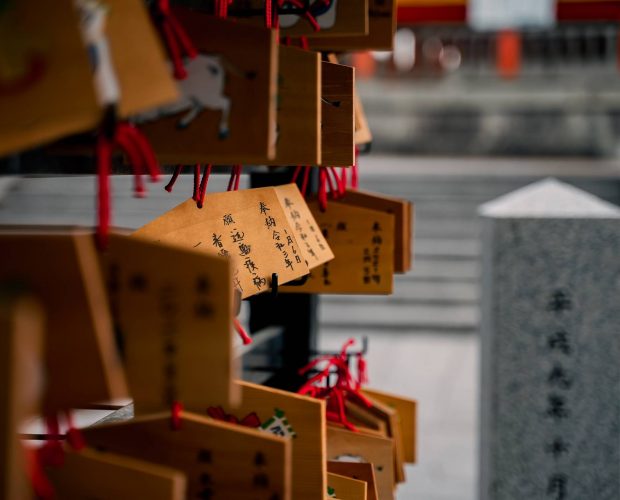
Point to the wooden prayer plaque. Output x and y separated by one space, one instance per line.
338 117
347 446
248 226
61 268
220 460
407 410
46 87
91 474
401 210
312 243
173 307
347 488
361 471
380 35
334 18
227 112
299 108
306 416
144 78
21 384
363 244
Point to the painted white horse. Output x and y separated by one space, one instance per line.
202 89
326 20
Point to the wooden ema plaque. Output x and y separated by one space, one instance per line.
338 18
92 474
312 243
307 418
220 460
347 488
173 307
363 244
248 226
21 385
347 446
338 117
299 108
380 35
401 209
360 471
81 359
46 89
407 410
227 113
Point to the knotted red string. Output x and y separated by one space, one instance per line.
241 332
74 436
221 8
141 158
51 454
175 38
173 179
345 388
218 413
175 415
202 190
355 171
196 182
235 177
307 14
322 192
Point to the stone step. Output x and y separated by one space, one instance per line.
390 316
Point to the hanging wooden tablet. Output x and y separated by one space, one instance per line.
220 460
173 308
347 488
361 471
46 89
363 244
333 17
380 35
299 108
92 474
407 410
21 384
347 446
227 112
401 210
337 114
312 243
61 268
144 78
249 226
306 417
390 419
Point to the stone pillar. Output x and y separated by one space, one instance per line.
550 361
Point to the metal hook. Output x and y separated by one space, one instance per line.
274 284
300 281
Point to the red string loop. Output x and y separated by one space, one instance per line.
355 171
196 182
173 179
322 192
74 436
242 333
202 190
175 38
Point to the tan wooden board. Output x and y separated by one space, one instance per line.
236 70
299 108
46 89
307 417
253 218
338 116
407 409
347 488
61 268
400 208
312 243
363 135
361 471
363 244
345 17
344 445
92 474
173 308
21 384
218 458
380 35
140 65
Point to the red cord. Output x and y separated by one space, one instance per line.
173 179
235 177
296 173
304 184
75 438
175 415
303 41
242 333
355 171
322 193
175 38
196 182
202 191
